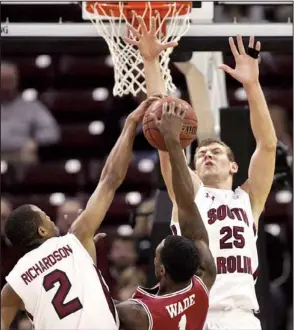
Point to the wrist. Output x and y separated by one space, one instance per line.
151 60
251 85
171 139
132 120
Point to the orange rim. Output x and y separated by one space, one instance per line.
112 9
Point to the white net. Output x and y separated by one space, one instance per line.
128 63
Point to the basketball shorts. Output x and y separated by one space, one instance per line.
232 320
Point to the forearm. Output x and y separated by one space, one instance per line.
153 77
189 217
261 122
165 168
118 161
111 178
3 325
181 178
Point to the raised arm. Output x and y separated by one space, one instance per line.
189 217
111 178
150 49
262 165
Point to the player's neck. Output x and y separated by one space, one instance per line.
34 245
219 186
168 286
227 185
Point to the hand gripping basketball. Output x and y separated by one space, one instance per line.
138 114
154 129
171 123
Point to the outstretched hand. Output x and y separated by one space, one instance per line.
138 114
150 47
171 123
246 70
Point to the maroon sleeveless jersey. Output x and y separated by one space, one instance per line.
183 310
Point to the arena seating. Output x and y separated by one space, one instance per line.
78 92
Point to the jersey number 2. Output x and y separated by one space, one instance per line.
183 322
228 232
62 309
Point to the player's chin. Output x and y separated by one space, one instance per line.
207 172
209 176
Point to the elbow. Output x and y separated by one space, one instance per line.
185 201
111 178
269 146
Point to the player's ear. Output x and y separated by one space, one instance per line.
42 231
162 270
234 167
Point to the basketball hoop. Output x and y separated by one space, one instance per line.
173 21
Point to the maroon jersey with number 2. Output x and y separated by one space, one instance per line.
181 310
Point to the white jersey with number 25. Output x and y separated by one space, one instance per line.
61 288
228 218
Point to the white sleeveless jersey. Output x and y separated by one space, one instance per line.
230 225
61 288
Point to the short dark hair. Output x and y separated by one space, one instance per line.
207 142
180 258
21 226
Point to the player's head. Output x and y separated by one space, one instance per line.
123 252
214 161
6 209
27 225
9 81
176 257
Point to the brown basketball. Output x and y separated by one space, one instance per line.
153 135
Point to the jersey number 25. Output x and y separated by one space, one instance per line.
238 239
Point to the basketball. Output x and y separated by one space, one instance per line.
153 135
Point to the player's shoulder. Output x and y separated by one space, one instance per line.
146 293
48 245
133 315
59 241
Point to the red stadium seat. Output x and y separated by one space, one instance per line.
118 212
282 97
135 180
42 201
8 177
70 101
49 178
90 71
32 76
84 67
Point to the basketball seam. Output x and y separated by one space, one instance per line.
149 129
155 129
196 121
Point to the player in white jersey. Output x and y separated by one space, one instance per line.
230 216
56 281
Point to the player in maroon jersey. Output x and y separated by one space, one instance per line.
183 264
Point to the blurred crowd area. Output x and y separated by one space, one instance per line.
59 122
259 13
